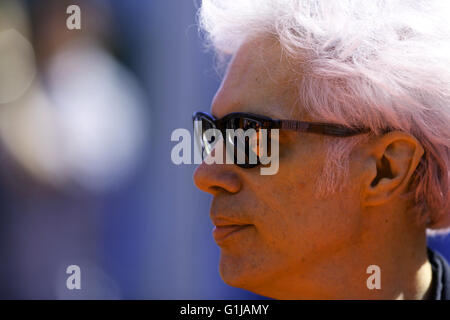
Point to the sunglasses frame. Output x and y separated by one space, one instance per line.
268 123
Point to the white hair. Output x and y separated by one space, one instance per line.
378 64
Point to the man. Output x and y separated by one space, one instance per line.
345 216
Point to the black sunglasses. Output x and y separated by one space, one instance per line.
250 144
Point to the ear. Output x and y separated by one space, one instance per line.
393 158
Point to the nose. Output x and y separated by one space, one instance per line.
216 178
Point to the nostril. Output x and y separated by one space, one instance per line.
215 190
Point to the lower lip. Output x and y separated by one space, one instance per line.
225 232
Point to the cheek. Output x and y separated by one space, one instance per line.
295 224
286 195
327 226
291 220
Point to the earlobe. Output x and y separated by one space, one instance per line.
393 159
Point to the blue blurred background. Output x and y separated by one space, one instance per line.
86 176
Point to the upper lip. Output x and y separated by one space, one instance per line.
220 221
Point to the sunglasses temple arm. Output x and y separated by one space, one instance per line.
320 128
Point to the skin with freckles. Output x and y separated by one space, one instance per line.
297 245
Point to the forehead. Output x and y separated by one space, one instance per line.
260 79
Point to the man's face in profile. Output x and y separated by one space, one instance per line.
274 231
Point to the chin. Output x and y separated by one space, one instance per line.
239 273
231 271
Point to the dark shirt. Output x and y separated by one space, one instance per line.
441 277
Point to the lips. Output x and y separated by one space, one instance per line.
223 232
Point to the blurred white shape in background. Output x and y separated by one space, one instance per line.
29 131
86 126
17 65
99 108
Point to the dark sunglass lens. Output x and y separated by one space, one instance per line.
244 137
201 124
205 137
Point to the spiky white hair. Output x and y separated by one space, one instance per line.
379 63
